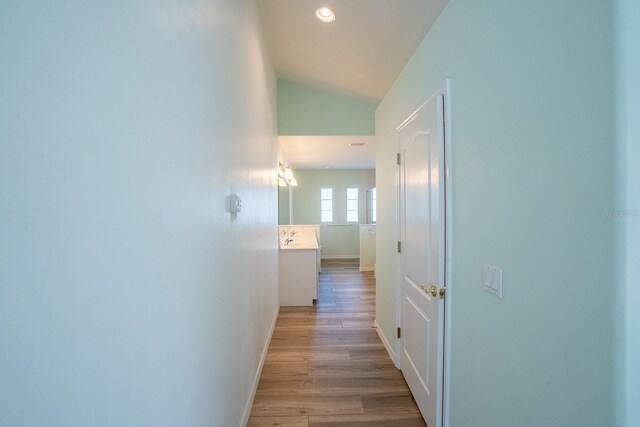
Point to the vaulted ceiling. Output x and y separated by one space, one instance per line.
361 53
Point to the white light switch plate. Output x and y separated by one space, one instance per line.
493 280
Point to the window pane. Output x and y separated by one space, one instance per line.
352 216
326 205
352 193
326 193
352 205
327 216
374 196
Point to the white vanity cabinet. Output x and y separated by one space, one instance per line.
298 266
367 247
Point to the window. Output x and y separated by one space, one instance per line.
326 205
373 205
352 205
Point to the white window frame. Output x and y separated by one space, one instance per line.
374 196
351 198
326 199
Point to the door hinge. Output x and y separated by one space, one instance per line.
399 247
399 334
398 158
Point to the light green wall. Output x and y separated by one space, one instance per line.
129 295
532 173
338 241
306 110
626 339
283 205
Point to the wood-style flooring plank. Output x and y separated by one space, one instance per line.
295 404
389 403
314 322
353 369
297 354
278 421
368 354
367 323
321 386
368 420
284 369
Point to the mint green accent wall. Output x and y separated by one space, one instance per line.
283 206
129 296
306 110
531 175
339 240
626 339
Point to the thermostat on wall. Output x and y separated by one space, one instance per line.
235 203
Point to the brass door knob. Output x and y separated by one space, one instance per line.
433 290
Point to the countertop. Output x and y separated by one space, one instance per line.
301 239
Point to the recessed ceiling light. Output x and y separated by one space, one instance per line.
325 14
356 144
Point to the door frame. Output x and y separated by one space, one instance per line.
443 89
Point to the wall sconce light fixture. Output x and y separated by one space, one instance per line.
285 175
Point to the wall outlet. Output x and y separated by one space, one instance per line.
493 280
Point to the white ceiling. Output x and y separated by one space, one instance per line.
361 53
318 152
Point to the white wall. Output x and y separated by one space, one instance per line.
125 297
531 176
626 285
367 247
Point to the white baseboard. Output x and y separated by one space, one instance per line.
385 341
256 379
366 268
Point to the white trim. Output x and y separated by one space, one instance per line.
385 341
366 268
449 254
398 264
256 378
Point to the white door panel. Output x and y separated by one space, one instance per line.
416 342
416 188
422 232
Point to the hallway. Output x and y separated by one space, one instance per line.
326 365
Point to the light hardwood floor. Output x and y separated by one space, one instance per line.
327 367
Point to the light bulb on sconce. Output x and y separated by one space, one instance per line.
285 175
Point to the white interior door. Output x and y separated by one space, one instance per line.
422 257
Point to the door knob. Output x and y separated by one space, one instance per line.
433 290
